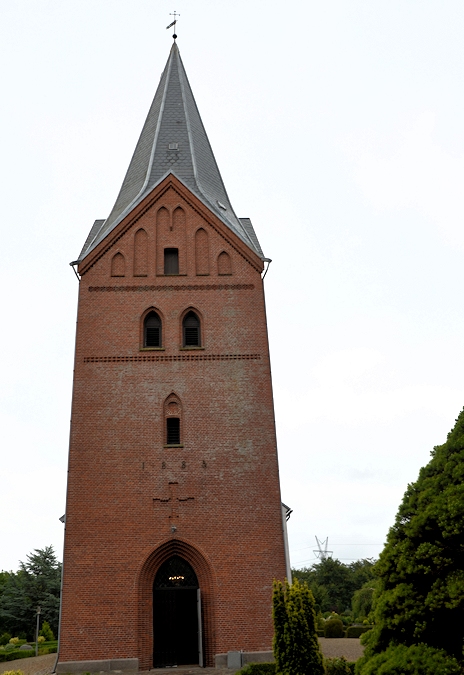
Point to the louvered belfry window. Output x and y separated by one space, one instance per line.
173 431
152 330
171 261
191 330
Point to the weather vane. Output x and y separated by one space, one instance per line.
175 15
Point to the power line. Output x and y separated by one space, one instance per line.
300 562
306 547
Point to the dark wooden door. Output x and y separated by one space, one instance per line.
175 627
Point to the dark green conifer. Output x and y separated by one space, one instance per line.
279 616
420 598
296 647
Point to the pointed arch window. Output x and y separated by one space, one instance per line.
152 330
172 431
172 421
191 333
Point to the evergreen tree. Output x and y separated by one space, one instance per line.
296 648
46 631
314 659
37 583
420 598
279 616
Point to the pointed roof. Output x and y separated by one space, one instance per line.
173 140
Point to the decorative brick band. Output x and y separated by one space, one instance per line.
143 358
184 287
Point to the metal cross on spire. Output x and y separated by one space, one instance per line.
173 23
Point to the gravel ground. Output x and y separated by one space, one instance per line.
350 648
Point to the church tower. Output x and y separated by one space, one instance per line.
174 524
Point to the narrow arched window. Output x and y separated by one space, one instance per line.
152 330
172 421
172 431
191 330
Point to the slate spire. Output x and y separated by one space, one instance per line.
173 140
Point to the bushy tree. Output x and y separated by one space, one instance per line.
361 602
46 632
334 583
37 583
362 571
420 599
296 647
5 638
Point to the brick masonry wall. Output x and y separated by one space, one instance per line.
118 524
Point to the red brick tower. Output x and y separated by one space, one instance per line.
174 524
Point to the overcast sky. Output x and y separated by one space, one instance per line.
338 129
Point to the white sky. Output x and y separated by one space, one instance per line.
338 129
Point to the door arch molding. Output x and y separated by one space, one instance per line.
150 567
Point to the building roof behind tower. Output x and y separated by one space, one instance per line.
173 140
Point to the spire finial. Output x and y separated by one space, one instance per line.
173 23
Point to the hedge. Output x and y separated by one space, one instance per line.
334 666
357 631
47 650
334 629
12 656
339 666
258 669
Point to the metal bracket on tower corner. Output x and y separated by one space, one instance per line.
268 261
75 262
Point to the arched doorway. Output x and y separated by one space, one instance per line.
177 634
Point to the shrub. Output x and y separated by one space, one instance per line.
40 639
47 650
346 620
334 629
402 660
14 640
46 632
338 666
5 638
258 669
296 647
356 631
